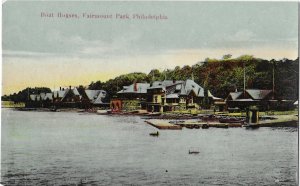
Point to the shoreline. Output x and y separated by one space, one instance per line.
180 120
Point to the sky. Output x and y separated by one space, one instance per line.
58 51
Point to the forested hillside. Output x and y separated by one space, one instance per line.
220 76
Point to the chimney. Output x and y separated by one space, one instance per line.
59 88
70 87
135 87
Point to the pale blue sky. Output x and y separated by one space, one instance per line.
58 52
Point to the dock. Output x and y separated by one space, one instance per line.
281 121
165 124
210 124
162 124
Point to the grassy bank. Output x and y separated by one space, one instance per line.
11 104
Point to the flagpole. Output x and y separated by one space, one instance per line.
244 79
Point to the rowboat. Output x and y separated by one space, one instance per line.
193 152
154 134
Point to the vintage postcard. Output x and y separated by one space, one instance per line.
149 93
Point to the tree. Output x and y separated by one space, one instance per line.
227 56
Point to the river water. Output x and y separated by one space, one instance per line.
60 148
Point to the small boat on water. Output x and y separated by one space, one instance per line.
154 134
193 152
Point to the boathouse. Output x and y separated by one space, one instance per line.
132 97
69 98
250 97
171 95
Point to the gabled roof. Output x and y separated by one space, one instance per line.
174 88
235 95
99 99
42 95
140 88
92 94
66 93
181 87
76 92
164 84
32 97
95 96
191 85
59 93
48 96
258 94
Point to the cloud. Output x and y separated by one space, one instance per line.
58 44
26 54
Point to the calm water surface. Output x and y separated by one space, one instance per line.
58 148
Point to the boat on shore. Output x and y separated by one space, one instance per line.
26 109
197 126
205 126
251 126
153 114
113 111
225 126
231 120
53 109
209 118
189 126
